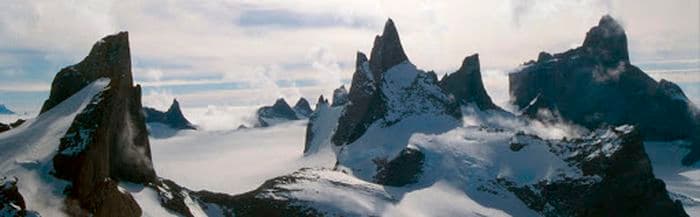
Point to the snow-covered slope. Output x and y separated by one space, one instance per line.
27 151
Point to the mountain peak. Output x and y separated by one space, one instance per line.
174 106
387 50
466 85
280 102
302 108
609 40
470 63
109 58
321 100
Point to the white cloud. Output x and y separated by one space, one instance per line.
177 41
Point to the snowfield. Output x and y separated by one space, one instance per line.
28 151
232 161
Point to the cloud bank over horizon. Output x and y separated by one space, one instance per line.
246 53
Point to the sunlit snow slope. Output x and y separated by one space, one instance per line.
27 151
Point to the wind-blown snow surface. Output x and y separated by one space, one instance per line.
459 169
27 151
233 161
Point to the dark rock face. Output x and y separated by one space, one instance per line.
371 95
11 201
466 85
595 85
173 117
302 108
627 186
17 123
6 127
340 96
109 57
608 40
5 111
363 96
405 169
280 111
386 51
107 142
253 203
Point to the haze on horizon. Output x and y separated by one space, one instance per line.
247 53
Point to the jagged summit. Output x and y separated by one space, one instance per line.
466 85
387 89
173 117
321 100
596 85
387 50
278 112
302 108
109 57
609 40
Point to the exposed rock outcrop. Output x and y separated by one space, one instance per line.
625 184
596 85
277 113
405 169
6 127
108 141
466 85
11 201
302 108
173 117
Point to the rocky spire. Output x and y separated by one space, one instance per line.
609 40
173 117
108 141
466 85
110 57
387 50
321 100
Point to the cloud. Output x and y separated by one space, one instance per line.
300 42
290 19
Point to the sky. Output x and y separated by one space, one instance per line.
250 52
